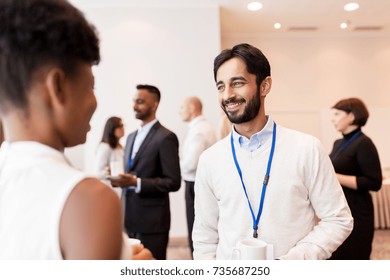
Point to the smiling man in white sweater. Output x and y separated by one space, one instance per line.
263 180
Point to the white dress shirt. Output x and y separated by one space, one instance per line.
200 136
142 132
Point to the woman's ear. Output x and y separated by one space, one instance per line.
265 86
351 118
55 84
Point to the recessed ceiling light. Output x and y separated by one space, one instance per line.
344 25
351 6
255 6
277 25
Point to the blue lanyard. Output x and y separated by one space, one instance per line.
345 145
265 181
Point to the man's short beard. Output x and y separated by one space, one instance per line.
143 116
251 110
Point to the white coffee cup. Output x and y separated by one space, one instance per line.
116 168
132 241
252 249
127 247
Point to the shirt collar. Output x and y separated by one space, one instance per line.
146 127
256 140
351 134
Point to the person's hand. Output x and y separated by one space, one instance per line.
123 181
108 171
141 253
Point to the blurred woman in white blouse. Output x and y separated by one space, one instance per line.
109 149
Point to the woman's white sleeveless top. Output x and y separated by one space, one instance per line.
35 182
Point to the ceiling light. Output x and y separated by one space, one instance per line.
347 25
255 6
351 6
277 25
344 25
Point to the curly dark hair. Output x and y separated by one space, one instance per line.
109 131
38 33
255 61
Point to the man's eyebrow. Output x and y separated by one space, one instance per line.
232 79
237 78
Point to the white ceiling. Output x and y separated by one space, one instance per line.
316 15
322 15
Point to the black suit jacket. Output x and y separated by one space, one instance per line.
157 164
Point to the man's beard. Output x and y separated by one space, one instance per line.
142 115
251 109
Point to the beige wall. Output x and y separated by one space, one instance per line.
312 72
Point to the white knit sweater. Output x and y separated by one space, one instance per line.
302 185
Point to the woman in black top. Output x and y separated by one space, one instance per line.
358 170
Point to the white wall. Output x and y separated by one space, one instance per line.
170 47
174 47
312 72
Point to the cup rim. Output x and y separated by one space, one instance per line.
133 241
254 242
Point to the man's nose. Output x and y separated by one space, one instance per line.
228 93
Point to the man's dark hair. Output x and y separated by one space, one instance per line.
255 61
356 107
38 33
152 89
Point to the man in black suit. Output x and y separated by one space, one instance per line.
152 171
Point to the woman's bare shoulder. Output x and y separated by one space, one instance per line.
91 222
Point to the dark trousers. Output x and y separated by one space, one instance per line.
157 243
190 210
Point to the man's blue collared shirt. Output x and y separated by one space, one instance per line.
256 140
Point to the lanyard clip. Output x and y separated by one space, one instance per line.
266 178
255 235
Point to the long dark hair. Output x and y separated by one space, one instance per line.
109 131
